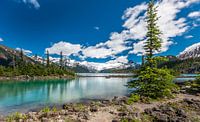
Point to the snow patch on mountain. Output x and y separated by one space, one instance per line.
192 51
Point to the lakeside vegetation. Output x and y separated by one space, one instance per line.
19 67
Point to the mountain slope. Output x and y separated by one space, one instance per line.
190 52
7 54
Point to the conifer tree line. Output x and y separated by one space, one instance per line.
21 66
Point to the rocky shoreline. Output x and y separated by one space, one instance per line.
183 108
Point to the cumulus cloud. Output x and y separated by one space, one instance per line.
195 14
115 45
116 63
27 52
34 3
134 29
65 47
169 23
1 39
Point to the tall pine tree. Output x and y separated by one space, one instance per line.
153 42
61 59
48 62
153 82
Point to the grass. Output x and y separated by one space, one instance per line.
16 116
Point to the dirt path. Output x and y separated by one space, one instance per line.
104 115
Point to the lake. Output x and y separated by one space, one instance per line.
30 95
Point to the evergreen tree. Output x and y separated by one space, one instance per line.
61 60
153 82
13 61
48 62
21 55
153 41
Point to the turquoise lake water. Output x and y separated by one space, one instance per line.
30 95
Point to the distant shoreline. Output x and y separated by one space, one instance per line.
28 78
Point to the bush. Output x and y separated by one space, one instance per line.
46 110
133 98
154 83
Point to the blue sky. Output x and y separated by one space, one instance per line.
97 31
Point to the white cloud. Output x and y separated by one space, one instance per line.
24 50
117 63
66 48
97 52
35 3
169 24
189 36
110 48
134 29
195 14
1 39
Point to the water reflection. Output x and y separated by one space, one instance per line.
23 96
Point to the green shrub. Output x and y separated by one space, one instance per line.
54 109
46 110
133 98
154 83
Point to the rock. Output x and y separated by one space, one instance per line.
94 109
115 120
105 102
188 101
60 120
30 120
122 114
161 117
20 120
85 116
181 113
148 111
45 120
63 112
32 115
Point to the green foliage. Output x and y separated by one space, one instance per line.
48 61
187 66
16 116
153 42
46 110
154 83
54 109
34 70
133 98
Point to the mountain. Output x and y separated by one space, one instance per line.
190 52
7 54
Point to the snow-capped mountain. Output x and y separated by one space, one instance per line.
192 51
